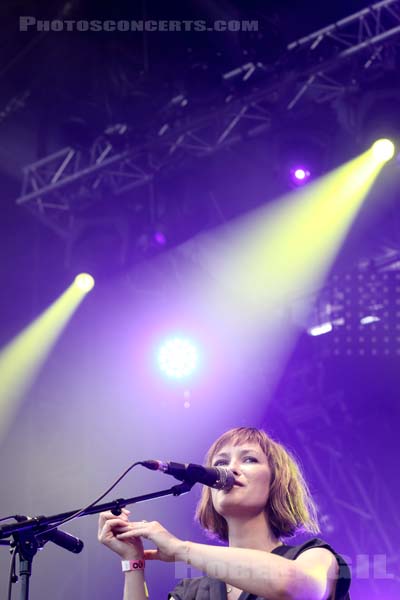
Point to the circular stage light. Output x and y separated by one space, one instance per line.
383 150
299 175
178 358
160 238
84 282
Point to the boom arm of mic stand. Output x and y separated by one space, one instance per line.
27 533
39 524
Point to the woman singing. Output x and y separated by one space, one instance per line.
268 503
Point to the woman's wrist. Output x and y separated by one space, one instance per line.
134 556
183 551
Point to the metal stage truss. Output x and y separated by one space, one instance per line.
324 64
344 497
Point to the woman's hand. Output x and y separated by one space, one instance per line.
109 528
169 548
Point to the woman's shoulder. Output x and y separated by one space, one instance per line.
293 551
344 576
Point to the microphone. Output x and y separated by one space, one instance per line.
64 540
215 477
60 538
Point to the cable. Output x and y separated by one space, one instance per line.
12 577
82 510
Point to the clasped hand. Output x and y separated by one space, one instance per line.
125 538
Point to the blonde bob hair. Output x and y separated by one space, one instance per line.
289 509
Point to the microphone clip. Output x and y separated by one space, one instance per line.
182 488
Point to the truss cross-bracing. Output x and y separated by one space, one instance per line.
59 186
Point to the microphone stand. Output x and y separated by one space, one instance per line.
30 534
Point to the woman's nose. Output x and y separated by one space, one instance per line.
234 467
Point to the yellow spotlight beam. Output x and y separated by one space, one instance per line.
273 259
286 248
22 358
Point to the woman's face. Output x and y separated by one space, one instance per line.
249 495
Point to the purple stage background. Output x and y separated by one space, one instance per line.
99 402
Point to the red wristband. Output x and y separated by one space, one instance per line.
132 565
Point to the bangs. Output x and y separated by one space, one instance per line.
237 437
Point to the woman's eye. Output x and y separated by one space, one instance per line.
224 461
221 461
251 459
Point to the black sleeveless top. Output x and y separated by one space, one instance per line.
207 588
